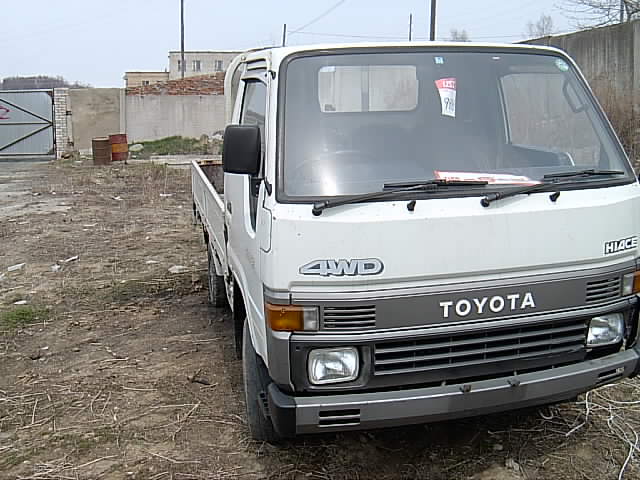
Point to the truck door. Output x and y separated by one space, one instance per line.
243 195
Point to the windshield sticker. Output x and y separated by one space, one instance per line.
562 65
447 89
491 178
439 60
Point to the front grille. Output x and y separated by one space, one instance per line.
602 290
361 317
511 347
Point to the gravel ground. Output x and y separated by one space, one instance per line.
112 367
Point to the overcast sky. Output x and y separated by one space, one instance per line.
95 41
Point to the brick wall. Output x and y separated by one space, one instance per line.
62 124
202 85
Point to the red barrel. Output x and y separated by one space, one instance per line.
101 151
119 147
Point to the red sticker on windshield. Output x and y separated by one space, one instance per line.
447 90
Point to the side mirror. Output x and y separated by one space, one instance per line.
241 149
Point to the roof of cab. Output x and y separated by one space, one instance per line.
277 54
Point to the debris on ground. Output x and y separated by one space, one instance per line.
178 269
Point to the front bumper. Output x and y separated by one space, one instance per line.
292 415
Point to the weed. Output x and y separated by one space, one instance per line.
172 146
22 316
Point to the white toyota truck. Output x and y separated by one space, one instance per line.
413 232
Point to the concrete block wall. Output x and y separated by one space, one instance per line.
151 117
189 108
95 112
607 55
62 123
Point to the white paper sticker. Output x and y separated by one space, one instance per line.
491 178
447 89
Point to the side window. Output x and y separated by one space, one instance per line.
254 112
539 109
370 88
254 106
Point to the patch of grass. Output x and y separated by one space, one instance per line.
172 146
14 458
140 290
22 316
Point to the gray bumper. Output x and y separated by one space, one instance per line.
293 415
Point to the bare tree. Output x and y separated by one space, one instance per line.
36 82
542 27
459 35
596 13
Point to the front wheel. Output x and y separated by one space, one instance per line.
217 294
256 381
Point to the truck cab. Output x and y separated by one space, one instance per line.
415 232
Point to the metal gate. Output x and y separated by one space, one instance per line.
26 123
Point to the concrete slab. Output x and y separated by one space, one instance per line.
175 160
20 190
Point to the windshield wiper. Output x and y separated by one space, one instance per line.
390 189
492 197
549 180
437 182
591 172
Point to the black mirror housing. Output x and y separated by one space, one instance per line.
241 149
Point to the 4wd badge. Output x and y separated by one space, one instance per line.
616 246
342 267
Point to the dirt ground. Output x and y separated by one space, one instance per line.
112 367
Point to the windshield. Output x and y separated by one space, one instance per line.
354 122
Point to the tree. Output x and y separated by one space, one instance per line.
35 82
543 27
596 13
459 35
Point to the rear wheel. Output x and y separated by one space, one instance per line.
217 294
256 381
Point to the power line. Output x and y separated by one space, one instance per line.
319 17
402 37
344 35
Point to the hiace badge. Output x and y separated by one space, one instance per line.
616 246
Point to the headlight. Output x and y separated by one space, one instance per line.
291 318
333 365
605 330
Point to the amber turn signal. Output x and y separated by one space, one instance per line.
631 283
291 318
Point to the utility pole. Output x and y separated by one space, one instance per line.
621 11
410 25
432 34
284 35
182 65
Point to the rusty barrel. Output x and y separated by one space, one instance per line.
119 147
101 151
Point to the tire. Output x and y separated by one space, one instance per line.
217 293
256 381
